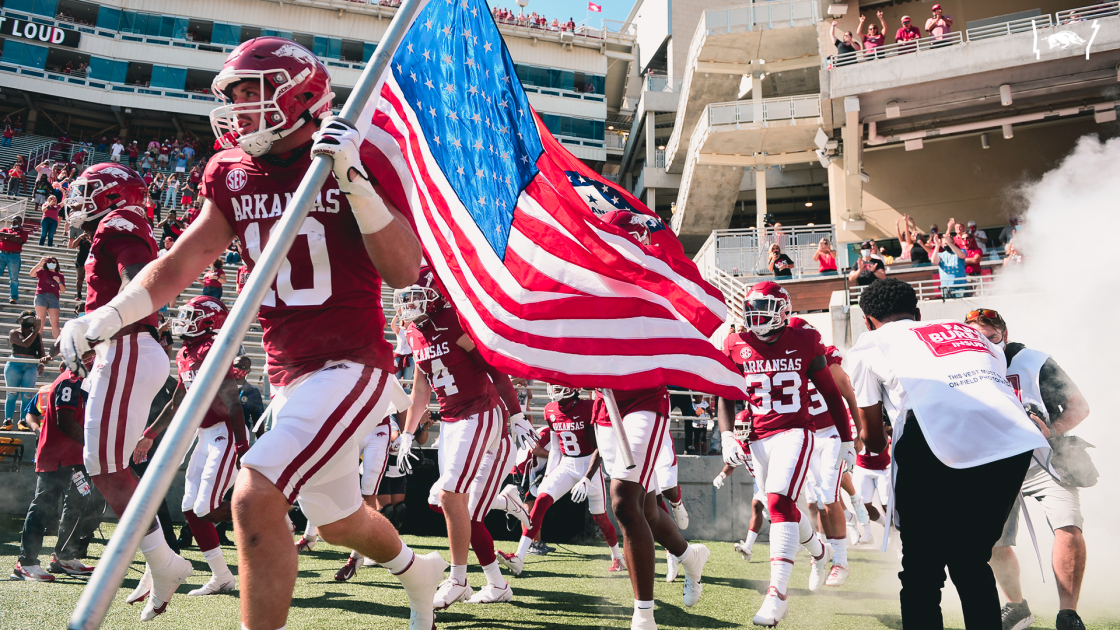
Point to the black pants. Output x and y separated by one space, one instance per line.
929 545
74 524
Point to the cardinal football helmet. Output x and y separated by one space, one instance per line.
285 72
743 425
556 393
633 223
766 308
420 299
102 188
200 316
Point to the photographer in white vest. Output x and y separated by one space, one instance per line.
957 424
1057 406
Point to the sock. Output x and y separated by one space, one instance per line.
156 551
783 549
684 556
882 520
616 553
404 559
808 538
643 609
523 546
311 534
482 543
536 517
217 562
493 574
459 573
356 556
751 537
205 533
840 545
607 528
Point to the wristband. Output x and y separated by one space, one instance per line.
150 434
132 304
371 213
241 447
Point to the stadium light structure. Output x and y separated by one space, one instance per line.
102 588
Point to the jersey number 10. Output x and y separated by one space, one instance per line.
320 290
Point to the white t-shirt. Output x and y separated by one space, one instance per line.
955 382
117 148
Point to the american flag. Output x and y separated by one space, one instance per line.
508 220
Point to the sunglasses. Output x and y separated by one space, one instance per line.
986 313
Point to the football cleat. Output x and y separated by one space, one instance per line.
538 548
680 515
837 576
693 572
31 573
866 538
744 550
370 562
303 545
451 591
164 583
673 568
70 567
774 609
216 586
860 509
1016 616
819 572
617 565
643 622
515 506
491 594
140 593
420 580
511 561
348 570
692 592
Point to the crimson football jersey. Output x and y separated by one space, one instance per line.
122 239
655 399
189 362
874 461
777 377
573 426
325 304
817 406
462 386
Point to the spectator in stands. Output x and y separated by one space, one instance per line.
164 153
188 152
168 242
153 146
867 269
190 192
12 239
27 343
115 154
908 32
973 255
15 180
242 277
905 235
950 259
1013 257
233 252
103 146
213 279
180 162
9 133
1009 231
939 25
147 163
779 264
80 241
172 226
49 222
877 253
51 285
826 258
195 176
919 254
171 191
251 400
702 412
876 35
133 154
980 235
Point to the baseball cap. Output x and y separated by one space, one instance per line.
906 18
935 7
866 245
971 223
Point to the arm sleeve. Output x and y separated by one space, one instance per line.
1056 387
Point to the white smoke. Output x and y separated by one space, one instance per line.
1070 288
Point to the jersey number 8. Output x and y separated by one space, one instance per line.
760 386
569 443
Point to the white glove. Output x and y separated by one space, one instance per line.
579 492
404 451
524 436
733 454
340 140
81 334
718 481
846 461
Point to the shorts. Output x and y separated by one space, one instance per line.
781 461
211 470
868 482
375 455
311 451
115 158
1061 503
47 300
560 481
122 385
822 465
474 456
40 198
83 253
393 485
666 470
647 432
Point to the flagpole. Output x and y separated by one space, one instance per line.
620 438
102 587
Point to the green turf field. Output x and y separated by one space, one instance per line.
566 589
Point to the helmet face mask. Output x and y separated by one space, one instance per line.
766 309
200 316
413 302
557 393
100 189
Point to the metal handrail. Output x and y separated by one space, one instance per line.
922 45
970 286
1022 25
1084 14
769 15
781 108
742 252
661 83
614 140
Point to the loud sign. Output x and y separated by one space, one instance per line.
31 31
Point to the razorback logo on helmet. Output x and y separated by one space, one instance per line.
115 171
236 179
298 52
120 223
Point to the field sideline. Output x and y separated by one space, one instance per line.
566 589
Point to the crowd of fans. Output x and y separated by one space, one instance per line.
937 27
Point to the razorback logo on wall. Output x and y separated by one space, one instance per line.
946 339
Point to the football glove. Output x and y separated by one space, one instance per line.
340 140
846 460
718 481
524 436
733 454
79 335
579 492
404 451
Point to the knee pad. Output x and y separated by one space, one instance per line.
398 515
387 512
782 509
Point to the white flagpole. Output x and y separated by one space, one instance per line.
98 594
622 442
